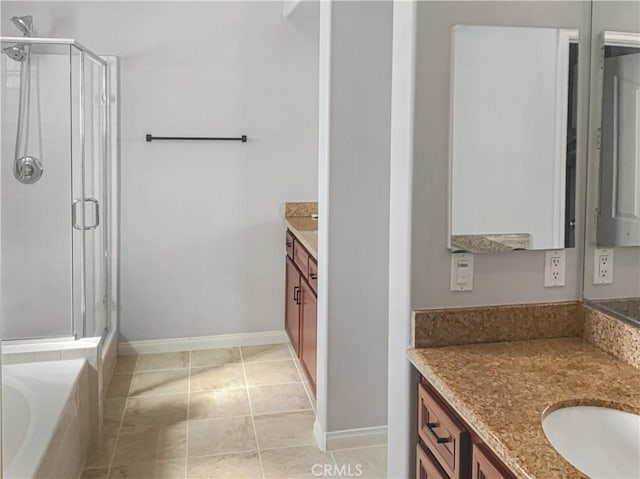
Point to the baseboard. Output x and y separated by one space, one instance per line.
352 438
201 342
320 435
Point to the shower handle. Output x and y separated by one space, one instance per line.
74 215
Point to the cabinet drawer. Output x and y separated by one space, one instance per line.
289 244
301 258
484 466
427 467
313 274
444 435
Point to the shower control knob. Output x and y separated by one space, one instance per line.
27 169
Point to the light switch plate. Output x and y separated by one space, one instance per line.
461 272
555 266
603 266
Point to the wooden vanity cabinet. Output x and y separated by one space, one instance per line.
292 305
427 466
485 466
446 440
309 334
301 317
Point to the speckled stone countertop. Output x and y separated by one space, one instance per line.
503 389
306 230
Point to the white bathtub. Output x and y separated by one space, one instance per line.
35 397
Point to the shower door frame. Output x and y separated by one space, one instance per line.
107 187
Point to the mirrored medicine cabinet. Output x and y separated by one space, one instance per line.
513 138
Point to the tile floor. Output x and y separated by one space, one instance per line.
223 413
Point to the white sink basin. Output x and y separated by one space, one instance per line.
600 442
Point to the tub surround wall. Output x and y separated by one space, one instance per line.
72 437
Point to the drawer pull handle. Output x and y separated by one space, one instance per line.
440 440
313 276
289 244
296 294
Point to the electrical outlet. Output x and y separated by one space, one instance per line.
554 268
603 266
461 272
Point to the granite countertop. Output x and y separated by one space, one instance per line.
503 389
306 230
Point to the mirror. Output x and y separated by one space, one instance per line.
513 138
619 186
613 190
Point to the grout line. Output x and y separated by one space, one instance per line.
290 446
253 422
124 411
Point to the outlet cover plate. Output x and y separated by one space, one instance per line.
603 266
461 272
555 266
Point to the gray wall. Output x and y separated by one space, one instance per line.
358 221
201 223
499 278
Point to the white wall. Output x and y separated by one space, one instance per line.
499 278
201 227
356 95
617 17
507 168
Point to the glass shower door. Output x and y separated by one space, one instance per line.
88 210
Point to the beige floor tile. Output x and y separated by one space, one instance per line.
268 352
119 386
160 382
278 398
366 462
144 444
219 403
125 365
158 411
229 466
100 456
217 377
273 372
215 357
100 473
160 361
221 436
297 463
173 469
285 429
113 410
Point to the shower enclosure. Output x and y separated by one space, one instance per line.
55 140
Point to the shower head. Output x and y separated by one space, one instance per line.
24 24
16 52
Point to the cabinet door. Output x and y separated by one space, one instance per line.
309 342
292 306
485 468
427 467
